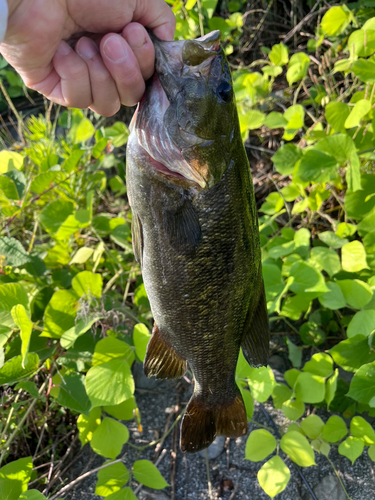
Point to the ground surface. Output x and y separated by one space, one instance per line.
231 476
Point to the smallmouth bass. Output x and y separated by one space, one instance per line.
195 234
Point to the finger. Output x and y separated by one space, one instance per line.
106 100
158 16
69 83
124 68
142 47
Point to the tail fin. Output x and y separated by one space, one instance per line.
202 424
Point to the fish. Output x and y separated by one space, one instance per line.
195 234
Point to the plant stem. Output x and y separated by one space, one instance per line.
20 424
338 477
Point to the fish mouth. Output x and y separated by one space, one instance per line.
172 61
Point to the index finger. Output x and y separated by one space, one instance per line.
158 16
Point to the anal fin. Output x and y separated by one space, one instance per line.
161 360
256 336
201 424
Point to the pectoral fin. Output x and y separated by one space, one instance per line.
182 227
137 238
255 340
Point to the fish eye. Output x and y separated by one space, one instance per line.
224 91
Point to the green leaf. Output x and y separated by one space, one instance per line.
44 180
298 449
362 42
327 260
320 364
273 282
109 437
54 214
334 429
335 21
141 337
73 393
365 70
353 256
316 166
81 128
331 239
82 255
22 320
351 448
279 54
312 334
298 66
259 445
291 376
280 394
294 306
8 188
251 120
11 294
123 494
121 236
72 161
13 252
122 411
331 386
362 323
88 283
60 313
146 473
361 429
249 403
32 495
334 298
294 353
30 387
371 452
13 370
295 116
87 424
352 353
345 229
293 409
10 160
110 383
286 158
309 388
190 4
274 119
110 348
362 387
261 381
14 478
118 133
111 479
273 476
307 279
357 293
360 202
336 113
82 326
361 108
312 426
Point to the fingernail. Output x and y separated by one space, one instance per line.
86 48
115 49
63 49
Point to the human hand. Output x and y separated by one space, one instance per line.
112 57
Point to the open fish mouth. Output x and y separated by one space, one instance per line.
173 61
